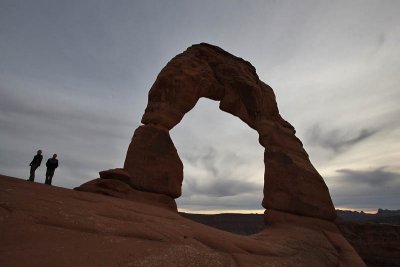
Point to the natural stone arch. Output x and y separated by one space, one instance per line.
153 171
152 164
291 183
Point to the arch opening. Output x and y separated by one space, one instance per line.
223 162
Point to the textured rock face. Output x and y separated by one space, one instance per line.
52 226
116 188
153 163
291 182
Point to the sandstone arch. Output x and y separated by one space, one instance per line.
299 223
152 164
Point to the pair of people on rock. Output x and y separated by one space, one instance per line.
51 164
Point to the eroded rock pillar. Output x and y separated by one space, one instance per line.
153 162
291 183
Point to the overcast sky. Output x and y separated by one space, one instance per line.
74 78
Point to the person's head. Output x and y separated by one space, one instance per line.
39 152
54 156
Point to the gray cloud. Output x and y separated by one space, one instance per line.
223 161
243 201
57 106
209 188
336 140
366 189
374 178
219 180
249 202
381 39
219 187
206 159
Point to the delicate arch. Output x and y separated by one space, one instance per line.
153 171
291 183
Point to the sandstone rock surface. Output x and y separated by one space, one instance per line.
153 162
50 226
378 244
119 189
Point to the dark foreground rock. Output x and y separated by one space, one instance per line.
50 226
242 224
382 216
377 244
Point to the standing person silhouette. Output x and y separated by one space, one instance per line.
51 164
35 163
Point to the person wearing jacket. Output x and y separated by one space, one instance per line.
51 164
35 163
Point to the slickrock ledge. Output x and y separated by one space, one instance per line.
50 226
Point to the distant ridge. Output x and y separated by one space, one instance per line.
381 216
376 237
247 224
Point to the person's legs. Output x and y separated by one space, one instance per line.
32 173
49 176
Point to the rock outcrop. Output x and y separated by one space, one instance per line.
152 163
297 200
51 226
119 189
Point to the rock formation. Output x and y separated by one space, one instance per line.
152 164
51 226
295 195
